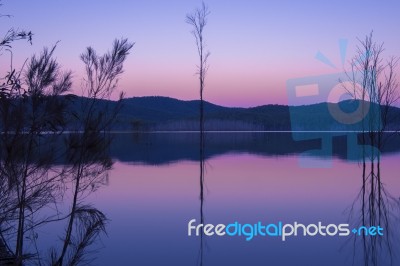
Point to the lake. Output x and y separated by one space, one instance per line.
154 189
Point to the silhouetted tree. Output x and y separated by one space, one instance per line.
10 81
198 20
13 35
34 111
375 86
31 116
88 148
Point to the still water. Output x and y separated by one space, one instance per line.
153 191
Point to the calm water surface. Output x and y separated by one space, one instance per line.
153 192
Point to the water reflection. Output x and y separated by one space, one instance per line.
36 193
165 148
43 183
375 206
202 175
151 203
150 200
202 147
28 183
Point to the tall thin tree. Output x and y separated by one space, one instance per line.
198 20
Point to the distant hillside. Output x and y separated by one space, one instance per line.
164 113
156 113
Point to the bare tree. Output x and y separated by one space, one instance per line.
198 20
375 86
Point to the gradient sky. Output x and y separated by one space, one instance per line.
256 46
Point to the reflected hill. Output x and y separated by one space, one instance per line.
157 148
164 148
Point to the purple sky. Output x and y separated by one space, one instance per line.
256 46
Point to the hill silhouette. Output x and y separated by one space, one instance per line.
156 113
